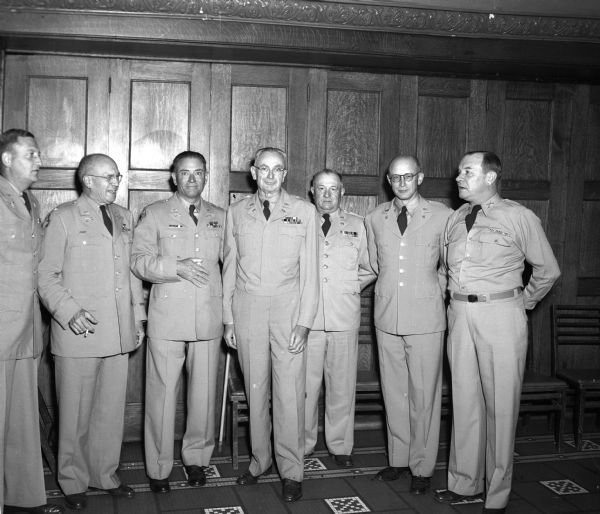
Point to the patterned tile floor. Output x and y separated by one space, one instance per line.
543 482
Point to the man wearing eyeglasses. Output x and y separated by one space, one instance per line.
97 310
177 247
270 297
405 248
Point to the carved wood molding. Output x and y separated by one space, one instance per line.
369 17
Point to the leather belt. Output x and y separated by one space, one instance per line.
486 297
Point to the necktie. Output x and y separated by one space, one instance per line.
470 218
326 224
193 213
27 203
106 219
266 210
402 220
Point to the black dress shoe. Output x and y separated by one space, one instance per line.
391 473
292 490
196 475
343 460
420 485
247 478
450 497
494 511
76 501
159 485
123 491
49 508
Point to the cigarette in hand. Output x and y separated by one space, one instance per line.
86 333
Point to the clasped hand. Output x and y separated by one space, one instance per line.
192 270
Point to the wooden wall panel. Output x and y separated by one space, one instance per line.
160 123
56 114
258 119
589 262
441 134
527 136
362 205
51 198
353 132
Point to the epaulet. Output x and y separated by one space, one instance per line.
353 214
240 197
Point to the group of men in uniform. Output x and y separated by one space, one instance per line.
288 300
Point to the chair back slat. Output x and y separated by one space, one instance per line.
573 325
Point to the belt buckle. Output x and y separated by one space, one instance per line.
472 298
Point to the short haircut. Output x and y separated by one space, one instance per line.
87 164
412 158
267 149
489 161
11 137
185 155
326 171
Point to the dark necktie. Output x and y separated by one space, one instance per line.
326 224
470 218
402 220
266 210
193 213
27 204
106 219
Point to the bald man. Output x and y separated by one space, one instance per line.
97 312
405 248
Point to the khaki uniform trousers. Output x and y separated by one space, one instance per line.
91 399
21 465
332 355
263 327
165 360
487 347
411 382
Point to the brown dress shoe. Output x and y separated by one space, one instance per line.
76 501
196 475
49 508
292 490
247 478
123 491
450 497
159 485
420 485
391 473
344 460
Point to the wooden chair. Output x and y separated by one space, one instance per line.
576 326
46 433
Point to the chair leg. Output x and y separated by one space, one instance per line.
579 409
560 421
235 406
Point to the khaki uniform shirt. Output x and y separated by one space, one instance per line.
490 258
20 248
409 293
84 267
165 233
344 270
270 258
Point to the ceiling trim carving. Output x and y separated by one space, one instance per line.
339 15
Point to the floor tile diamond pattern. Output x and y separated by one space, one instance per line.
563 487
347 505
586 446
224 510
313 464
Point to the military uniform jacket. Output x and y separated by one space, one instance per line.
20 246
275 257
83 267
178 309
344 270
410 288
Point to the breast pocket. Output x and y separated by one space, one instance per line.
85 253
347 250
171 241
290 240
